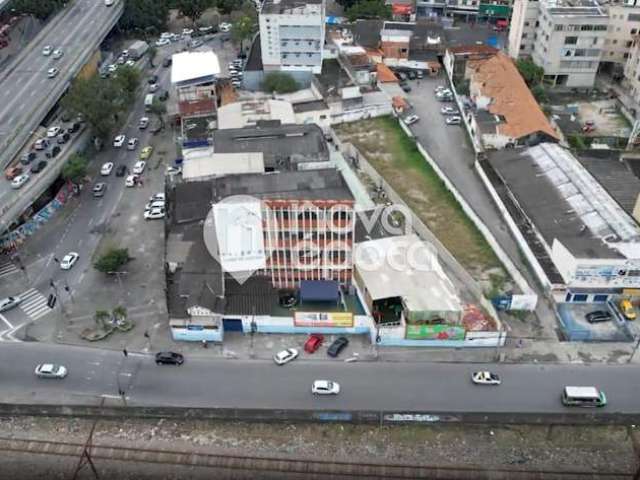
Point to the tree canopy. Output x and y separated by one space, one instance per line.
193 8
243 28
112 260
368 9
75 169
38 8
279 82
530 72
144 16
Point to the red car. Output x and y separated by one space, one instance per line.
313 343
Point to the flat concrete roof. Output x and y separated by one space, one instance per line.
282 6
188 67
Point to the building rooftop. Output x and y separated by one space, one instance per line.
574 8
194 67
498 78
249 112
332 78
282 146
310 106
564 202
287 6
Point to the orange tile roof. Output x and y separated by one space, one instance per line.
385 74
499 79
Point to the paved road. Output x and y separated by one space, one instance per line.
204 382
26 93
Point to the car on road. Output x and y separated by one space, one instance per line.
63 138
337 346
52 72
39 166
12 172
153 204
174 170
152 79
52 152
313 342
162 42
106 168
405 88
598 316
119 141
19 181
196 43
138 168
626 307
75 126
50 370
411 119
205 29
47 50
69 260
108 3
164 95
169 358
583 397
225 27
131 181
441 88
53 132
325 387
455 120
285 356
99 189
9 302
447 110
146 152
485 377
121 170
132 144
154 213
166 63
58 53
187 32
130 63
157 196
28 157
41 144
154 87
143 123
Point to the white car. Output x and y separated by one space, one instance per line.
53 132
154 214
455 120
485 378
325 387
143 123
162 42
19 181
225 27
138 168
153 87
442 88
187 32
132 144
157 196
166 35
153 204
174 170
130 63
69 260
58 53
51 370
47 50
119 141
449 111
108 3
52 72
113 68
411 119
9 303
106 168
131 181
285 356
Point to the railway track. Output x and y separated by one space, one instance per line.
290 467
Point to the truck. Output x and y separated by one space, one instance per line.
148 102
137 49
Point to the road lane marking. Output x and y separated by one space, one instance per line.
7 269
34 304
3 318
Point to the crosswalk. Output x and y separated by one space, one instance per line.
8 268
34 304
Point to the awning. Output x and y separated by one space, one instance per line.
319 291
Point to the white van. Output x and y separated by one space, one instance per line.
583 397
148 101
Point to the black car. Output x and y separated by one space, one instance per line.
27 158
39 166
166 62
164 95
152 79
411 74
598 316
53 151
405 87
337 346
169 358
63 138
121 170
75 126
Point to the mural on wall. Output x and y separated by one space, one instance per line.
434 332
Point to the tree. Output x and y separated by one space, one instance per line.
530 72
368 9
101 318
227 6
41 9
75 169
151 53
112 260
193 8
158 108
127 80
243 29
540 94
279 82
149 16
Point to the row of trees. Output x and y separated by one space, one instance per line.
41 9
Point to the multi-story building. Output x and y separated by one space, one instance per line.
624 25
292 35
632 70
493 11
522 32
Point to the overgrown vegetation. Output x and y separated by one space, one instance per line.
76 168
279 82
368 9
244 28
533 75
112 260
41 9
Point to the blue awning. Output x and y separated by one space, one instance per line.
319 291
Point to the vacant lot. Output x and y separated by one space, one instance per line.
396 158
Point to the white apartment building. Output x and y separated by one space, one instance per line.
292 35
632 70
568 38
624 25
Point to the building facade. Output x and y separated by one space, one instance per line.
624 25
292 35
632 70
523 26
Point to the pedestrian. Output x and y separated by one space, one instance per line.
205 344
124 351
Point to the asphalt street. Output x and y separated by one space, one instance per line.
205 382
26 92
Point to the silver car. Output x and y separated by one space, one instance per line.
51 370
9 303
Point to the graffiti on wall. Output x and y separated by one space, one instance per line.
434 332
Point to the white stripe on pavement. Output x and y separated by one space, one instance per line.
34 304
2 317
7 269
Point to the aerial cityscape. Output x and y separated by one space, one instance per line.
378 239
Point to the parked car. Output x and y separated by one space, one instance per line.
169 358
411 74
143 123
28 157
153 204
447 110
146 152
52 152
164 95
337 346
119 141
166 63
138 168
285 356
39 166
12 172
106 168
154 87
53 132
121 170
131 181
50 370
196 43
402 76
411 119
47 50
626 307
154 213
598 316
419 74
455 120
162 42
9 302
152 79
187 32
132 143
63 138
485 378
69 260
41 144
75 126
52 72
405 88
313 342
325 387
225 27
99 189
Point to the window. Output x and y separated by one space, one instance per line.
586 28
626 55
628 44
634 17
559 28
524 35
614 41
570 40
634 31
580 52
521 47
526 24
580 297
599 28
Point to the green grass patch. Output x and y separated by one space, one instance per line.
396 157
